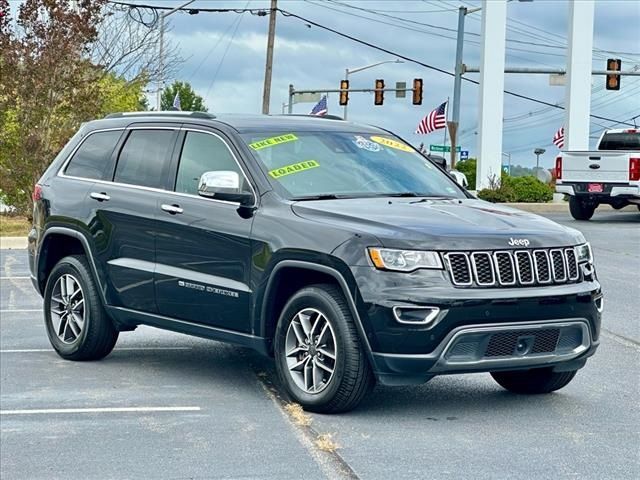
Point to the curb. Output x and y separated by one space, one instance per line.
13 243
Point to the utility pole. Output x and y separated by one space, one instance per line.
266 92
457 85
161 51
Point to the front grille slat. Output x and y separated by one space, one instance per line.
513 268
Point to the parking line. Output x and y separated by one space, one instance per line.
14 278
47 350
23 310
99 410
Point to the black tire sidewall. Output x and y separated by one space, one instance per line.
75 268
317 298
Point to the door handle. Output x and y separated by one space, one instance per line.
101 196
172 209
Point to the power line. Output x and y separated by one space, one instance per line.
418 62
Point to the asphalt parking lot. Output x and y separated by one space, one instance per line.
168 406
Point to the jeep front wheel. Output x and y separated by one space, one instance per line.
319 357
538 380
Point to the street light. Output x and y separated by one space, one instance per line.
538 152
359 69
161 52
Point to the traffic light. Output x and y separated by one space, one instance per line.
417 91
613 81
344 92
379 93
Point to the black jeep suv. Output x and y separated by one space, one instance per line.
335 247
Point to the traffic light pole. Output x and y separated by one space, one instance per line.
293 92
457 86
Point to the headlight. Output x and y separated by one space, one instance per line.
404 260
583 253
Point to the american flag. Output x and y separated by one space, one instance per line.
558 138
436 120
176 101
321 108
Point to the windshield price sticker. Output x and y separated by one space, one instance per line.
387 142
270 142
293 168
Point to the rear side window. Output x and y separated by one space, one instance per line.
201 153
93 157
144 158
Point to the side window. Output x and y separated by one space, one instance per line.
201 153
144 158
93 157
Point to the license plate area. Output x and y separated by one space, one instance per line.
595 188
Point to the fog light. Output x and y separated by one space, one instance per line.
415 315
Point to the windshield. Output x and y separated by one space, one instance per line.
620 141
347 164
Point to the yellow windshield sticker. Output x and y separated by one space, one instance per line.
293 168
270 142
392 144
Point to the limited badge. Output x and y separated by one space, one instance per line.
387 142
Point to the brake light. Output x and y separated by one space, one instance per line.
634 169
37 193
631 130
558 168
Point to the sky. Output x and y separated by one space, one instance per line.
224 60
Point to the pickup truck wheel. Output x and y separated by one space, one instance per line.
539 380
77 325
319 357
581 210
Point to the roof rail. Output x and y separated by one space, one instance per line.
163 113
326 117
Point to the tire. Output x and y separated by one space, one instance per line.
536 381
92 338
581 210
323 308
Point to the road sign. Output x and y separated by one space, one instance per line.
401 89
505 169
307 97
442 148
464 154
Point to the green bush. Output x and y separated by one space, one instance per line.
468 167
518 189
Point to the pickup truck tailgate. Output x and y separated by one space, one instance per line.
609 166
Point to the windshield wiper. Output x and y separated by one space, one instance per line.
325 196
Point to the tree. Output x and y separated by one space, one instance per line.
189 100
58 69
468 167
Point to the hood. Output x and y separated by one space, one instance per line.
465 224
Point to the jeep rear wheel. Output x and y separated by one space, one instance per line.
539 380
319 357
581 210
77 325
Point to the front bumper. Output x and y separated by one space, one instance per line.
470 320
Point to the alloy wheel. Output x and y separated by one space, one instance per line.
67 308
311 350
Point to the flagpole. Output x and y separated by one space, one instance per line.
446 110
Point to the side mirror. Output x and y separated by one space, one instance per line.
223 185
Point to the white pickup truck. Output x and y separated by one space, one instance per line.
608 175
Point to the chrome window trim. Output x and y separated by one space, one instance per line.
453 280
531 262
475 269
564 265
510 256
152 189
575 259
549 267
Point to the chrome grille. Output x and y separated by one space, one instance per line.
513 268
